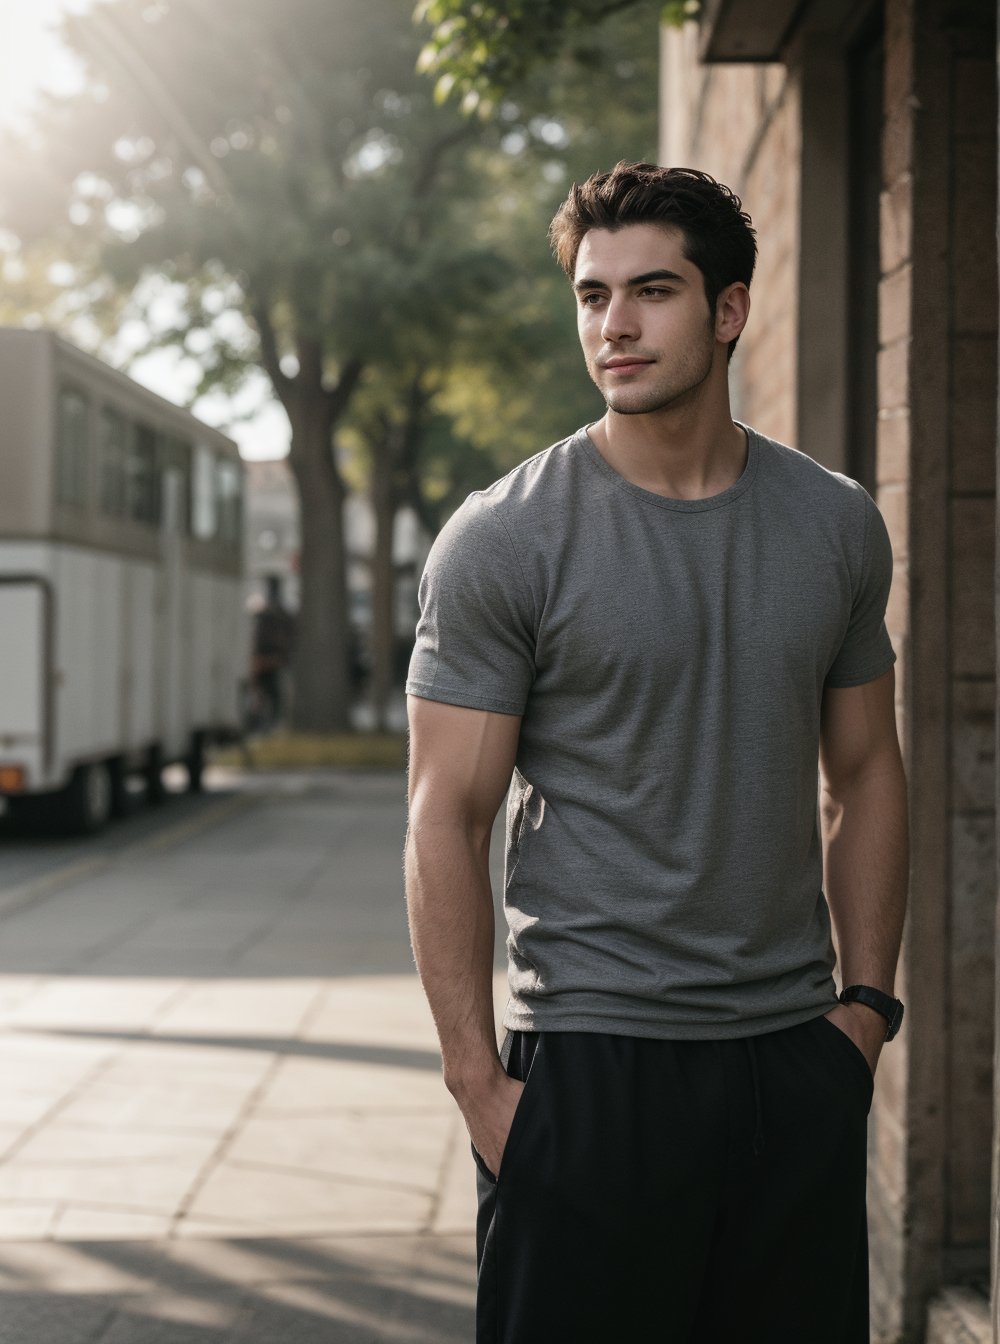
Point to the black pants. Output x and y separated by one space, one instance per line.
679 1192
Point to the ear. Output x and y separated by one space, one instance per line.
732 309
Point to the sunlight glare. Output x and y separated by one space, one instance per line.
32 57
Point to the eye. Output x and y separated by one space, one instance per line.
655 289
586 299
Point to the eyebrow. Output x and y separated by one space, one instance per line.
643 279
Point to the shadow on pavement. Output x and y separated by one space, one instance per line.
410 1291
389 1056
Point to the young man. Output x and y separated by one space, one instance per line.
661 627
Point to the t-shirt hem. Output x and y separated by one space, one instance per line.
425 690
664 1028
860 678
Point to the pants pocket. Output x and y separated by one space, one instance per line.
525 1061
480 1162
850 1053
519 1053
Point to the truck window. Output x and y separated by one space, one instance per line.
143 478
72 447
112 450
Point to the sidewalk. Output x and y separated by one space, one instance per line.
222 1119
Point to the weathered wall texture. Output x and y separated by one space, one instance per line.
740 123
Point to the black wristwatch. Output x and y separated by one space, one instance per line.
890 1008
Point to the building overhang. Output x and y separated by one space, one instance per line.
746 30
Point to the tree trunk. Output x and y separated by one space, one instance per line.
321 682
383 583
321 660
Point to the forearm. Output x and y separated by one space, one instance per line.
450 905
866 871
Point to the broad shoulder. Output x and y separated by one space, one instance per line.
536 491
808 476
808 496
536 482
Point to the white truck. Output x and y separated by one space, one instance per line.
123 636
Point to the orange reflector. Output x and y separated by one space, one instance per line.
13 778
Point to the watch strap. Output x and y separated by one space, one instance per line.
890 1008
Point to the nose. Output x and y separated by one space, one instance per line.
620 320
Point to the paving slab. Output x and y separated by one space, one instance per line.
223 1119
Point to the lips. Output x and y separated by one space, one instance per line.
623 366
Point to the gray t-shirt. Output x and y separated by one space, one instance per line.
663 870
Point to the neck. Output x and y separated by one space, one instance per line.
676 451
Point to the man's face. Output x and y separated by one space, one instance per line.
644 322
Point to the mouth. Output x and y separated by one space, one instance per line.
622 367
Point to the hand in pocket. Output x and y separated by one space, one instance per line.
489 1114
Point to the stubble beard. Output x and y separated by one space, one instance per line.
669 392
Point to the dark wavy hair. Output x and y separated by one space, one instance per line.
717 233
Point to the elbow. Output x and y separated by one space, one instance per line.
445 828
877 777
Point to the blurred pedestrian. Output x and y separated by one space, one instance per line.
273 642
658 632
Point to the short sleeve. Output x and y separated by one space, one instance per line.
866 651
475 642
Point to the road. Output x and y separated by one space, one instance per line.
222 1119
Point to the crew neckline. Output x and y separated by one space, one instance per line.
724 497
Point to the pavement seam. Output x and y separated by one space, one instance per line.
91 1076
217 1154
17 898
445 1165
328 1177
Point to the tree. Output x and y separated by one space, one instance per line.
412 456
523 385
280 164
480 50
502 375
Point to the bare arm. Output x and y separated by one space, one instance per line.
461 762
865 843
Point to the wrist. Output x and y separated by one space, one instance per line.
465 1080
868 1018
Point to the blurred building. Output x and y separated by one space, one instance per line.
271 534
862 136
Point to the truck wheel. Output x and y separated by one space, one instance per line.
121 799
195 762
153 772
85 804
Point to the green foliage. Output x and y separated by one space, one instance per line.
519 381
675 13
480 50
